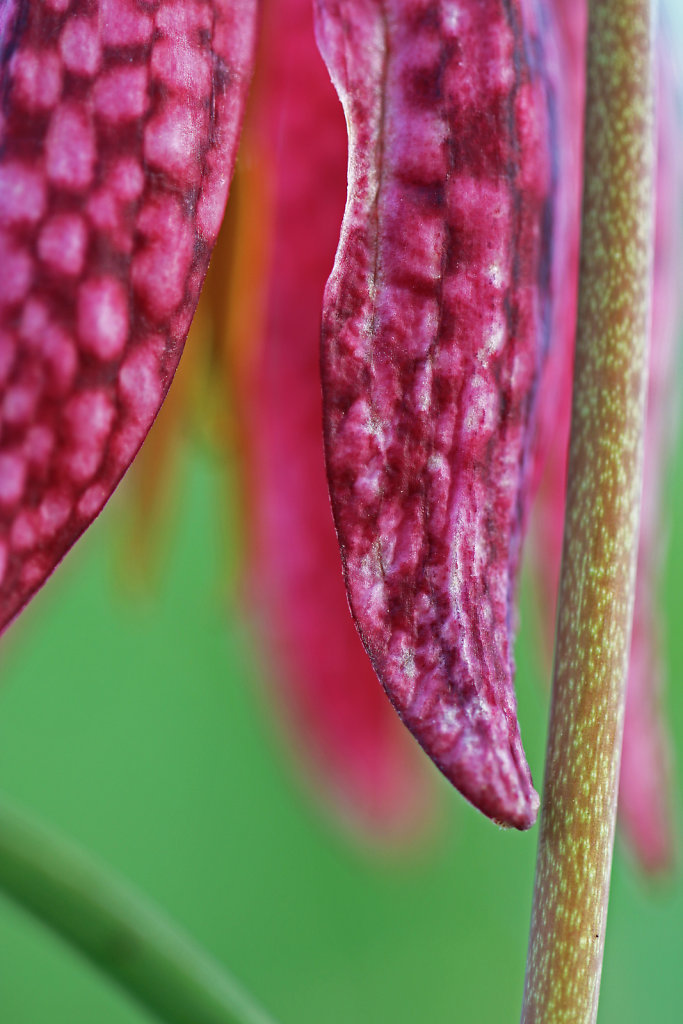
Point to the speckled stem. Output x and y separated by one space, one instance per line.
605 479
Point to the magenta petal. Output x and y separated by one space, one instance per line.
433 339
119 123
343 729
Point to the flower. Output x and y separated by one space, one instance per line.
292 185
117 139
449 310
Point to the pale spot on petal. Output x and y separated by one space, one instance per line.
24 533
70 147
103 317
19 403
89 417
123 24
140 386
92 502
22 193
53 513
12 479
16 275
36 79
80 46
172 142
38 447
121 94
62 243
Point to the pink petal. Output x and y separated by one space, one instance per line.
433 339
113 180
343 727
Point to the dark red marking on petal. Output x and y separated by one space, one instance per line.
343 728
433 337
114 169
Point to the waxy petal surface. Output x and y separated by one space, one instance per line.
118 127
434 331
342 727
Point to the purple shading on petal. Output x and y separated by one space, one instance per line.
434 333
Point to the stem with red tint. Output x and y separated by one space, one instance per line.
601 527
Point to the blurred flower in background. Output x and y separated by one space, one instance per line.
645 801
255 339
255 346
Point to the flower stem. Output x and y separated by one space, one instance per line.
601 528
127 939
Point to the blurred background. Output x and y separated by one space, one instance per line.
133 718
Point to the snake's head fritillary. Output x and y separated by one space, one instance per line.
118 130
449 309
435 329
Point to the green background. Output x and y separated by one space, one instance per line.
135 722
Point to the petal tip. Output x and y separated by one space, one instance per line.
486 763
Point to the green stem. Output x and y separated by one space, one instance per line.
601 527
109 923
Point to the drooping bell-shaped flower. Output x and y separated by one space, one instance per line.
449 309
435 328
118 130
343 729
